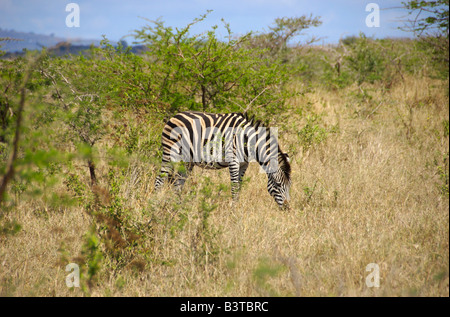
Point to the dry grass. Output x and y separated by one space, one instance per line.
368 193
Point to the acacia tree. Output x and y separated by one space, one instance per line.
429 21
429 17
203 72
77 87
284 30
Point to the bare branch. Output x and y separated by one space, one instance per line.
9 175
248 106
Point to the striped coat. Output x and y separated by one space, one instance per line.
215 141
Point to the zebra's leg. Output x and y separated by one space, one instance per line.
182 174
165 172
242 169
234 176
237 172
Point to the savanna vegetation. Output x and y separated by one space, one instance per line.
365 121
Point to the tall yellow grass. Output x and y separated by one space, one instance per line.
369 193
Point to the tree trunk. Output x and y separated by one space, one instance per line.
204 97
91 166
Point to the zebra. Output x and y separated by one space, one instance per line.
216 141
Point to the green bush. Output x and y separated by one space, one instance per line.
201 72
365 60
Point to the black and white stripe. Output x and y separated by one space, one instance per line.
216 141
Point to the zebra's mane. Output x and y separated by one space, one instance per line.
254 123
285 166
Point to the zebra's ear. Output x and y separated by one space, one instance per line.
287 157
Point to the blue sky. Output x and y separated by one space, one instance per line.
116 19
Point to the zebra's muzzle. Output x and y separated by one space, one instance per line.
286 205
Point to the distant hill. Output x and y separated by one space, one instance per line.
13 43
17 41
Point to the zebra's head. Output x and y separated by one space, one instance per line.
279 182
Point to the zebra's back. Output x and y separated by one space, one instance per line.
200 138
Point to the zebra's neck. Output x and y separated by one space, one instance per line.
264 142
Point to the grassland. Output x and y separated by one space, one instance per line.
369 185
